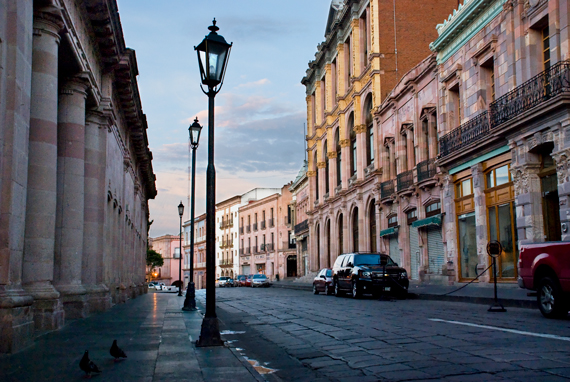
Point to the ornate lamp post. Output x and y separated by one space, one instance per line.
213 53
180 212
190 300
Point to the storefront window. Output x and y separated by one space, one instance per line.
501 228
498 177
467 245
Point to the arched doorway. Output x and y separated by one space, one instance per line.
355 229
372 226
340 235
318 235
328 237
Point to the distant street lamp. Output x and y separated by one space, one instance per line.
190 300
213 53
180 212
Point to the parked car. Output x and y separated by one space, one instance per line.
247 281
259 281
323 282
155 285
240 280
223 281
170 288
360 273
545 268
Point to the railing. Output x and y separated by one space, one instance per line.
255 226
241 230
262 247
248 228
386 189
226 262
540 88
303 226
269 247
471 131
241 251
405 180
247 250
271 224
263 224
426 169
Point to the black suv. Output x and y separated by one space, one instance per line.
361 273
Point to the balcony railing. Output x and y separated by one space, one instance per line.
471 131
269 247
248 228
247 250
241 230
263 224
241 251
271 223
387 189
426 170
226 262
255 226
540 88
301 227
405 180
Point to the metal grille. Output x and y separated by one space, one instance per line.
394 250
426 169
414 253
540 88
471 131
386 189
405 180
435 250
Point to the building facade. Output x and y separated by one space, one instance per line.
368 46
76 168
265 234
503 76
168 246
227 259
300 205
199 252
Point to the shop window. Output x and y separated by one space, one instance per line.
467 245
464 188
433 209
498 176
393 221
502 227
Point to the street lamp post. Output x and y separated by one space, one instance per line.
213 53
190 300
180 212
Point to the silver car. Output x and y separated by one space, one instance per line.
259 281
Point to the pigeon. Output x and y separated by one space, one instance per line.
116 351
87 365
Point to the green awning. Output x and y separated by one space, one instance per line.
389 231
432 220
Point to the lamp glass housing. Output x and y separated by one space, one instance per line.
181 209
213 54
194 131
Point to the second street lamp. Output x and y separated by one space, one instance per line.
213 53
180 284
190 300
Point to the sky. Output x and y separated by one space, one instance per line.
260 111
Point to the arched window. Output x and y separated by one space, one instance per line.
372 224
327 172
328 233
355 229
317 178
340 235
353 157
369 130
338 160
318 234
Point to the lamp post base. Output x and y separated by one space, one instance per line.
210 334
190 300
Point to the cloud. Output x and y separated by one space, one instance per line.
263 81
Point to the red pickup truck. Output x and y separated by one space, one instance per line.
545 268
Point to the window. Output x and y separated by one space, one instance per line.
327 172
464 188
487 81
498 176
355 233
340 235
433 209
412 216
369 130
177 252
338 160
454 106
545 48
393 221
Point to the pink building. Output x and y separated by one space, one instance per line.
169 247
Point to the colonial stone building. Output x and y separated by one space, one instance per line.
75 164
369 47
503 78
168 246
300 223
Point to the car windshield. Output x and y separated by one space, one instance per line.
259 277
372 259
329 273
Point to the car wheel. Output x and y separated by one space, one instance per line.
315 291
355 289
550 299
337 292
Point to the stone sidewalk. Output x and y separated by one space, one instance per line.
158 337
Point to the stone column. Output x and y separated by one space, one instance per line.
562 159
70 197
332 173
481 220
360 131
321 173
345 165
98 296
401 147
528 197
38 266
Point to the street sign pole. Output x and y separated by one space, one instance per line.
494 249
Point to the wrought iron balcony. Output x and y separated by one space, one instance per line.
248 228
255 226
271 224
387 189
539 89
269 247
471 131
426 170
241 230
263 224
405 180
301 227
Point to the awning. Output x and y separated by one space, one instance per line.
432 220
389 231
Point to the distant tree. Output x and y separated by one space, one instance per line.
154 259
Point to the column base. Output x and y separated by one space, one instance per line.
16 321
75 300
98 298
47 306
210 333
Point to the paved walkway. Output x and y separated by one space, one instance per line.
157 336
509 294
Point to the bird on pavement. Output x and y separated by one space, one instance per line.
87 365
116 351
